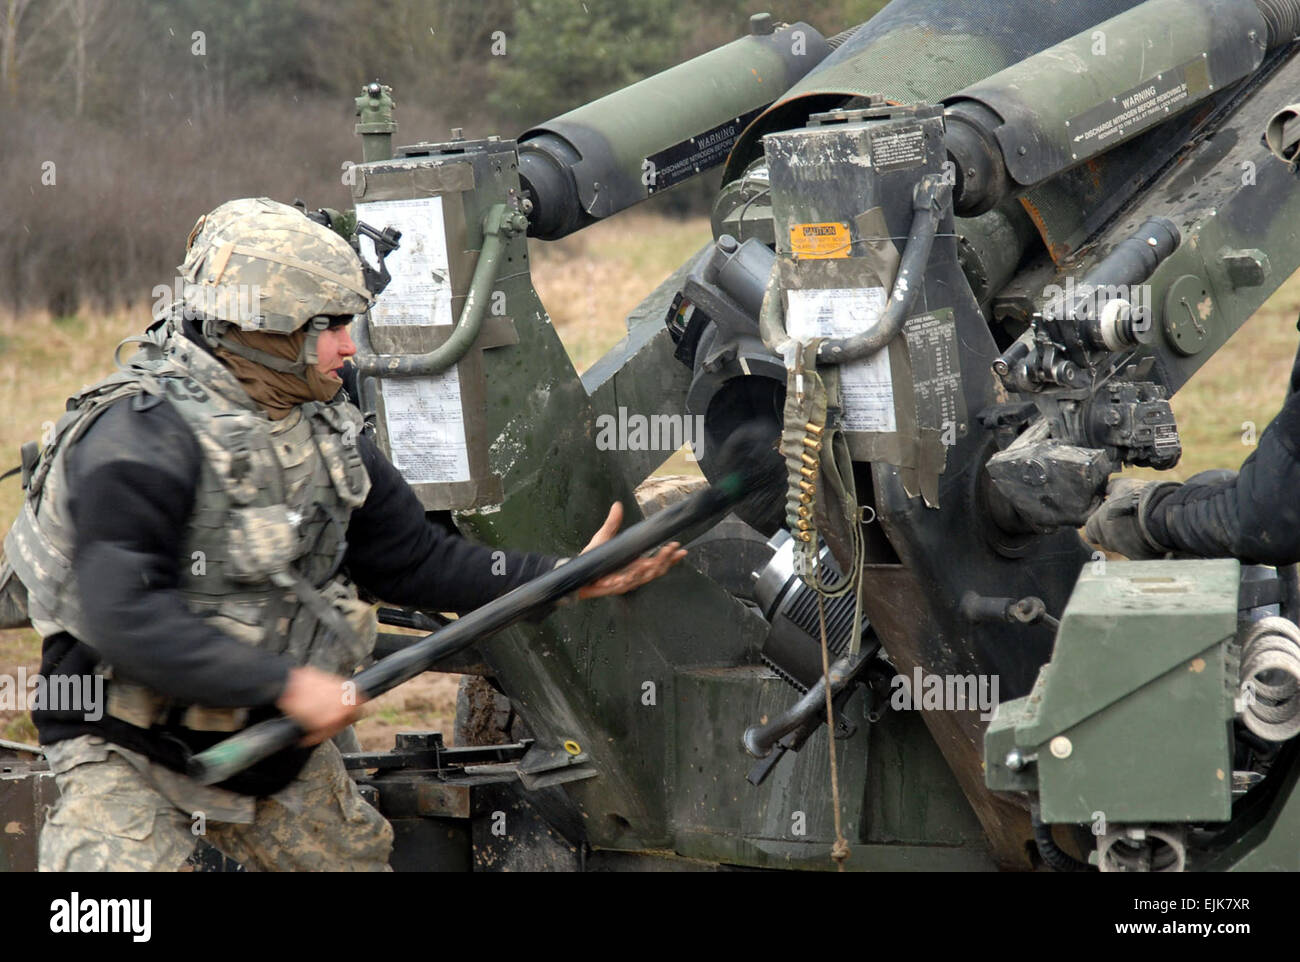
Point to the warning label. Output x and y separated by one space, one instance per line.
674 164
820 241
898 147
1142 107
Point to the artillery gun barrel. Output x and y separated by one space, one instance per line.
1101 88
617 151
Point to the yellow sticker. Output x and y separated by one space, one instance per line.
820 241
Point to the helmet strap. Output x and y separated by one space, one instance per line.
315 326
211 334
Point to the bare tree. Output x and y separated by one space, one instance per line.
14 42
86 17
14 10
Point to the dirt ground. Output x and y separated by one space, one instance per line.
425 703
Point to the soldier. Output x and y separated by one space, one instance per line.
195 534
1251 514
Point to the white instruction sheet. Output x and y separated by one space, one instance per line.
420 292
426 427
426 431
866 387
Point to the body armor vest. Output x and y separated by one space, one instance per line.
266 537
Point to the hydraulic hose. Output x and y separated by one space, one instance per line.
499 224
929 202
1051 853
1282 18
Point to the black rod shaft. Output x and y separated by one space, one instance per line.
264 739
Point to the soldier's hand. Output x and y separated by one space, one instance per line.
636 574
319 703
1118 524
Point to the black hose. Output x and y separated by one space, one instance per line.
1056 860
929 203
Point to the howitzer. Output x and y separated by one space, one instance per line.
962 257
1013 230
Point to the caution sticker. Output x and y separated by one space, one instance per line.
820 241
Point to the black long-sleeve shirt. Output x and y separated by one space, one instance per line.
132 480
1256 515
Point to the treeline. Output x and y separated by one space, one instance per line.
122 120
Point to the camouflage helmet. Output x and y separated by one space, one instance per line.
265 266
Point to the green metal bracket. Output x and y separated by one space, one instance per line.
376 129
499 225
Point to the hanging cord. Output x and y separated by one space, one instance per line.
859 559
848 579
840 850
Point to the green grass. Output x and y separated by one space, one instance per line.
1243 384
590 281
19 729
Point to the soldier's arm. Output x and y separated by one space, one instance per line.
132 478
1254 517
399 556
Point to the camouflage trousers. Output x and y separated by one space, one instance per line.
111 816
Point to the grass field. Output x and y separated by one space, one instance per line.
588 282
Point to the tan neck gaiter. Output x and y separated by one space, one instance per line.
277 392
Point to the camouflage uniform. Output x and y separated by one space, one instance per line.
118 811
270 511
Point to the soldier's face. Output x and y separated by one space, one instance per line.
333 347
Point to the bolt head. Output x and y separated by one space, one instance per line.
1061 747
1035 473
